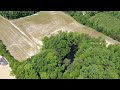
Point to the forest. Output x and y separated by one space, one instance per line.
69 55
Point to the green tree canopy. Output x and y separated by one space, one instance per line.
91 59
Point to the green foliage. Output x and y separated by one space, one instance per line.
16 14
66 62
80 17
47 64
115 14
77 15
92 60
106 24
61 42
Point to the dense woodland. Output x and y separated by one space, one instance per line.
72 55
69 56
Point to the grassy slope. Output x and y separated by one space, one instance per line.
18 44
35 27
45 23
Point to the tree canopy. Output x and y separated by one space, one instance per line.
91 59
16 14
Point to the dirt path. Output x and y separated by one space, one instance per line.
5 72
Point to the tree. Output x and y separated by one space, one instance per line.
92 59
16 14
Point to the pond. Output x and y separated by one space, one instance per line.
73 50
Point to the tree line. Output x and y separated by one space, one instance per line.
16 14
107 22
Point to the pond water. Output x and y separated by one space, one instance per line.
73 50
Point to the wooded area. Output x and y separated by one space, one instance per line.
92 59
107 22
72 55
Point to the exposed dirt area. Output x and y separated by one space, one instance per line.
5 72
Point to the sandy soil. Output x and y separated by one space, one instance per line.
5 72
